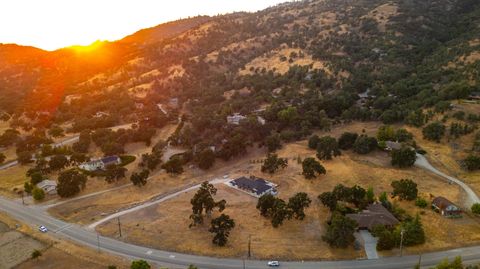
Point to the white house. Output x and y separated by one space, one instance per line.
100 164
235 118
48 186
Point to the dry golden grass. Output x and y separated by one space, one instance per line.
12 178
382 14
4 125
166 225
447 155
63 253
272 61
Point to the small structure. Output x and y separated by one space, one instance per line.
261 120
100 164
235 119
390 145
445 207
173 102
254 186
375 214
101 114
48 186
474 96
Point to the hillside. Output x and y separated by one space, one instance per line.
312 57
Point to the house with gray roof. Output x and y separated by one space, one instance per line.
254 186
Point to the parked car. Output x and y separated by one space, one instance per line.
43 229
273 264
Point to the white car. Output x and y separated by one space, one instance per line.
43 229
273 263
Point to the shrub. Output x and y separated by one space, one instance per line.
476 208
36 253
420 202
38 194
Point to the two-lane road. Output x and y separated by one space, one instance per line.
35 217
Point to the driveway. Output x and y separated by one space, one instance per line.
472 197
369 243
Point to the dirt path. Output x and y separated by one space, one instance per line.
154 201
472 197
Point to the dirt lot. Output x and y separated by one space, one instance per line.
165 226
15 247
55 254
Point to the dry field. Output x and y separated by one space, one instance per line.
91 209
55 254
11 179
446 156
271 61
165 225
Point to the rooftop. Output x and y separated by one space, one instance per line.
375 214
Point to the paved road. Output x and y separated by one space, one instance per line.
154 202
35 217
472 197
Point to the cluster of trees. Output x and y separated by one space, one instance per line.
388 238
70 183
405 189
204 203
311 168
153 159
278 210
434 131
458 129
472 162
327 147
340 229
403 157
113 142
272 163
388 133
355 195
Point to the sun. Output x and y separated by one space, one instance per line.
95 46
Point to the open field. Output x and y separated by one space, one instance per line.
55 254
12 178
447 155
165 225
91 209
15 247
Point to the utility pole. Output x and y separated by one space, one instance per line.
98 242
420 261
119 227
23 201
401 242
249 246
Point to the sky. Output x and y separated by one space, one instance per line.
53 24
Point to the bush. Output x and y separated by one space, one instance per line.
420 202
140 264
472 162
476 208
38 194
434 131
36 253
127 159
404 157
